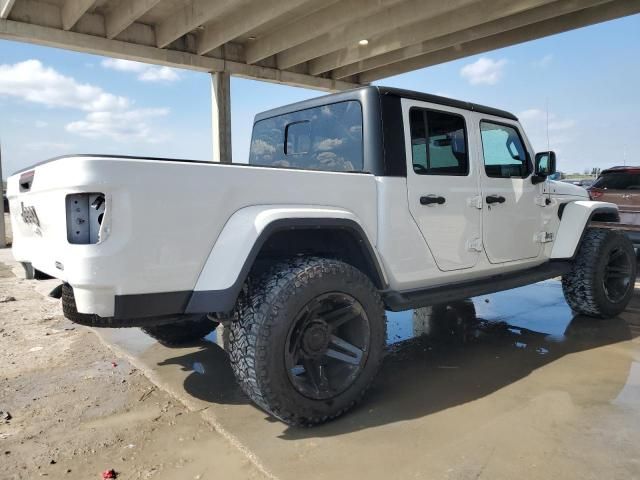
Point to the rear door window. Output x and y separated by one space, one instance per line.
438 143
618 181
321 138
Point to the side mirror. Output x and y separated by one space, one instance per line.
545 165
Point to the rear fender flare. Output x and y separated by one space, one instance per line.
242 238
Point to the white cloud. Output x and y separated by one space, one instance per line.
531 114
260 147
120 126
329 143
561 130
146 73
107 115
31 81
484 71
561 124
159 74
49 146
543 62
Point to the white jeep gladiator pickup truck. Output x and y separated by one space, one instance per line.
352 203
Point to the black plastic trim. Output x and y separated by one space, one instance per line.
561 208
405 300
449 102
392 136
151 304
191 302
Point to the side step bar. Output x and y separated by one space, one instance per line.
398 301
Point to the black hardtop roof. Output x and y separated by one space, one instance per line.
356 94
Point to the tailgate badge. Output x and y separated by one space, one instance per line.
29 215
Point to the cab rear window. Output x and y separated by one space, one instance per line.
321 138
618 181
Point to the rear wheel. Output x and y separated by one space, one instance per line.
602 280
309 339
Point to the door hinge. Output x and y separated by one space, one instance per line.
474 245
475 202
543 237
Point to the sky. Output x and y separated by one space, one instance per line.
55 102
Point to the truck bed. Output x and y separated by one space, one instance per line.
161 218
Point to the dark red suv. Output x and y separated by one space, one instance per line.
621 185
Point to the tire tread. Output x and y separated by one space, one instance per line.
250 333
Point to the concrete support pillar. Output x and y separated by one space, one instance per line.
221 116
3 239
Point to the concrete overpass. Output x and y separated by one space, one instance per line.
323 44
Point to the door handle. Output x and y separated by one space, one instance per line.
431 199
494 199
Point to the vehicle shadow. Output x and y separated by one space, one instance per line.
212 379
455 358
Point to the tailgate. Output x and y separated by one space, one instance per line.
43 204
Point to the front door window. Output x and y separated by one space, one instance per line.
511 218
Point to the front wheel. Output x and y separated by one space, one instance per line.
309 339
602 279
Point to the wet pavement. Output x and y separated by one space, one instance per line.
508 385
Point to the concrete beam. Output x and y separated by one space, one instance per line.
5 8
582 18
72 10
390 18
313 25
193 15
125 14
377 55
81 42
241 21
287 78
221 116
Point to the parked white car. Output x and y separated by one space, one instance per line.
351 204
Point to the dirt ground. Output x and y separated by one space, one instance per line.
77 410
502 386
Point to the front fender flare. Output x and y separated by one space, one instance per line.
575 218
241 239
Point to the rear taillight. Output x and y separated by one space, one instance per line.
595 193
85 212
26 180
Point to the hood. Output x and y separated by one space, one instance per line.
563 188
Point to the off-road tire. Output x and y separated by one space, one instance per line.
265 315
180 333
583 286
